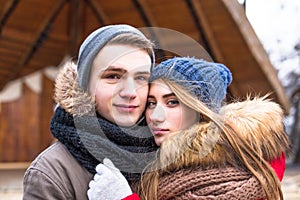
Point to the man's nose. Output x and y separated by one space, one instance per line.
128 89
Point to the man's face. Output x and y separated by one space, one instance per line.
119 82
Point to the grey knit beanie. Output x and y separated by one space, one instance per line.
208 81
94 43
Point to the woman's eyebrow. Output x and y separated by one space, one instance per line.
164 96
169 95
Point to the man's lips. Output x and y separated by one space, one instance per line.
125 107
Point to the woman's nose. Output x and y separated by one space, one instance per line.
158 114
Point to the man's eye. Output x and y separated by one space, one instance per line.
111 76
142 78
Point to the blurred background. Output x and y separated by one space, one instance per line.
277 25
259 40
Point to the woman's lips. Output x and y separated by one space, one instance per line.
159 131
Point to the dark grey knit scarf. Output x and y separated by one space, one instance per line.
91 139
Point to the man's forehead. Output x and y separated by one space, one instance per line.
136 69
125 57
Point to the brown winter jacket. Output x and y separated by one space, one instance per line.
55 173
59 174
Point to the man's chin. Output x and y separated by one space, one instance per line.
125 122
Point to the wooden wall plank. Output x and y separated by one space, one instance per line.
24 124
10 124
47 106
30 132
3 130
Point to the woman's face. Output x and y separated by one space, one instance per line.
165 113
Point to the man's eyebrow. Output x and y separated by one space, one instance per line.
115 69
143 72
118 69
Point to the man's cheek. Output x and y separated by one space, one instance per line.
143 96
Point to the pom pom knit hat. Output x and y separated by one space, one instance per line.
207 81
94 43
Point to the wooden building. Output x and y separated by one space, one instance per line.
38 34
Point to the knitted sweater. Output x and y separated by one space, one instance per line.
229 183
221 184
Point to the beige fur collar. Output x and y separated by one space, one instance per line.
260 122
69 95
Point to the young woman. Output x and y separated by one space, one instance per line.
207 151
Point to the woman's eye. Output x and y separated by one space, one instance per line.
173 102
151 104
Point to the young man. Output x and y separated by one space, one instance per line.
99 105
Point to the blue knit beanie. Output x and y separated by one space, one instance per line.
94 43
207 81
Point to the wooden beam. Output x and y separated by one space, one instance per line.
8 8
99 13
38 38
145 12
206 29
149 19
75 29
42 32
199 27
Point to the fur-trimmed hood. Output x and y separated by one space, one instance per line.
257 121
68 93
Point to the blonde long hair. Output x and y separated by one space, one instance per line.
229 147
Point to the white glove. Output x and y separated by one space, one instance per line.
108 183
